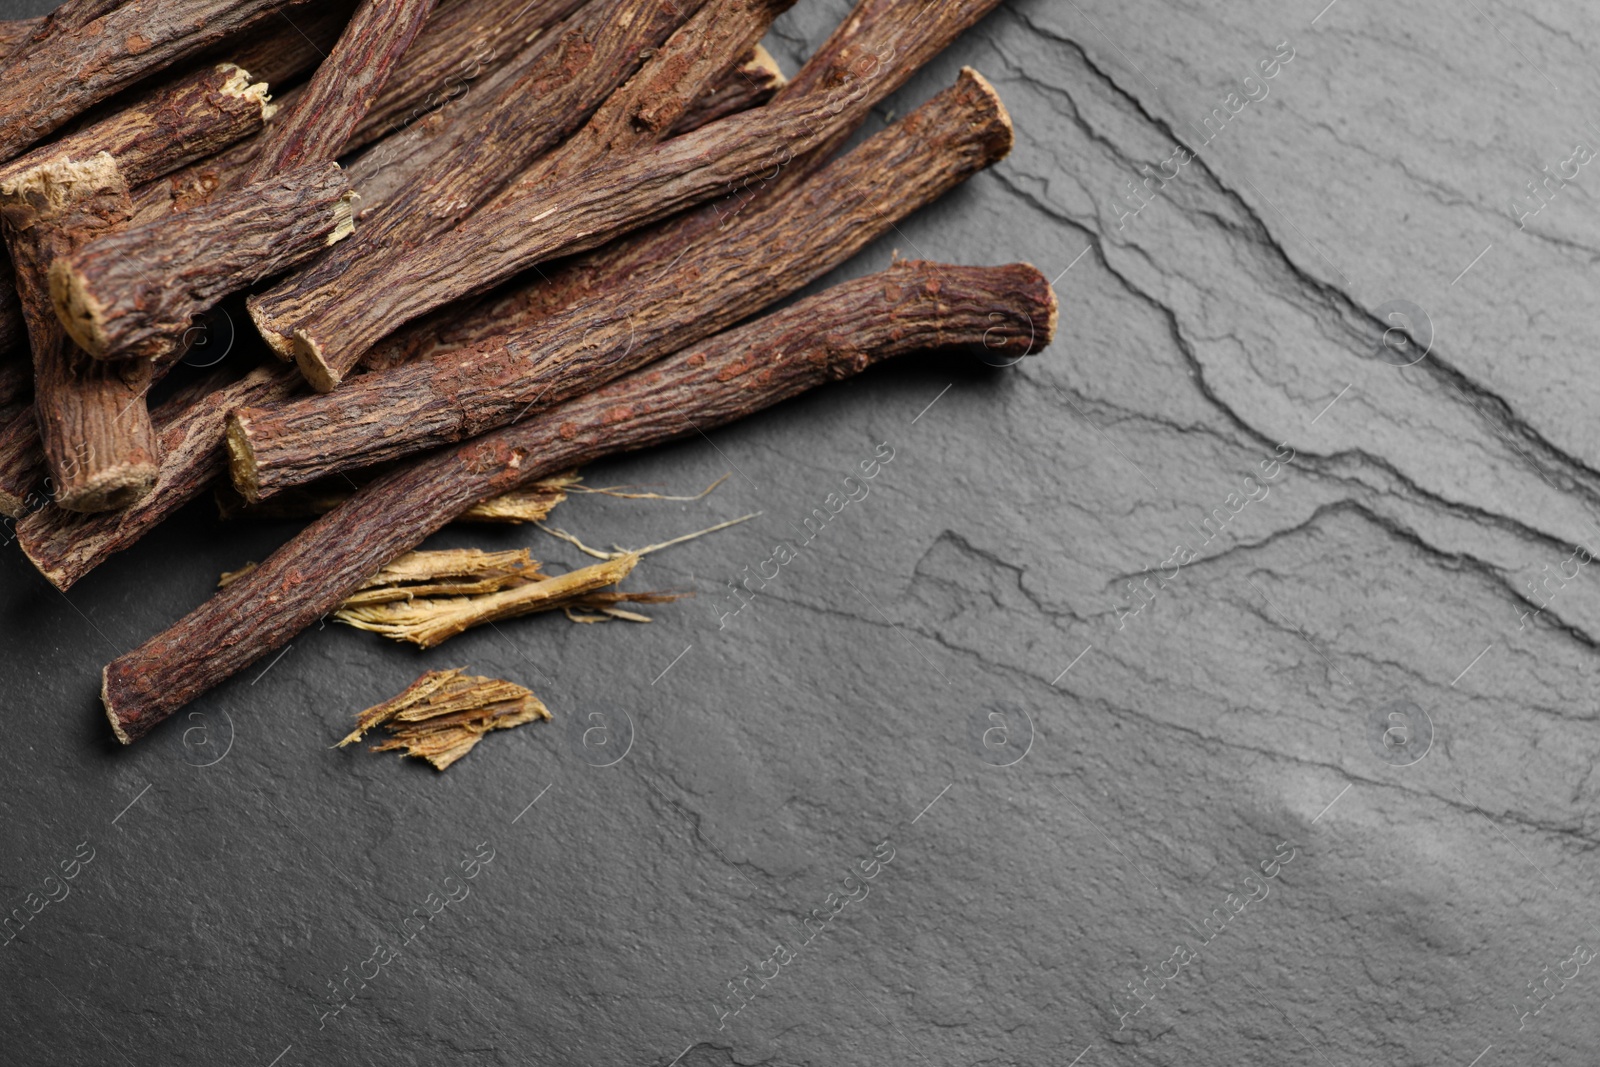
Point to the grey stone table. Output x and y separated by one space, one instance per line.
1216 688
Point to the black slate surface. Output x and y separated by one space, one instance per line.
1325 797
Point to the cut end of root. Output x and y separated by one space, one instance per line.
278 339
1008 130
761 65
117 728
80 313
1048 334
242 458
239 84
315 369
57 183
109 490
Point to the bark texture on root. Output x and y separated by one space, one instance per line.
538 219
693 80
752 83
477 147
463 42
74 68
279 50
707 285
159 131
21 461
644 109
92 419
840 332
875 32
344 88
15 32
132 293
165 128
65 546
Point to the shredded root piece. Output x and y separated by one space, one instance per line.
427 598
428 621
618 491
443 714
457 573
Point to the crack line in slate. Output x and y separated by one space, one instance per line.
1322 465
1333 297
1113 44
1129 714
901 632
1112 443
1587 922
695 824
1317 464
1299 631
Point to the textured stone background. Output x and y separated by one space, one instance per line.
973 611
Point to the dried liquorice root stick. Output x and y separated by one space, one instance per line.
14 32
132 293
519 507
644 109
165 128
66 546
886 40
73 69
691 81
752 83
92 418
274 53
711 284
462 43
585 211
344 87
833 335
463 46
159 131
281 49
13 331
16 373
473 148
21 461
